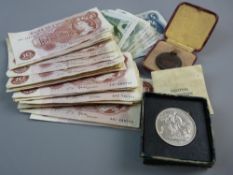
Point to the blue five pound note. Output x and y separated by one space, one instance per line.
156 20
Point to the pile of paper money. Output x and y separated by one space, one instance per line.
136 33
73 70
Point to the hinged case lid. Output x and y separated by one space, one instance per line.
190 26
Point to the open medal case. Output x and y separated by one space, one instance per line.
187 32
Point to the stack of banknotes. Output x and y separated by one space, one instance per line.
136 33
73 71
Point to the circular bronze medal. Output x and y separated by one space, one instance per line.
168 60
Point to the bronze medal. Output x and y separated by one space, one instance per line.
168 60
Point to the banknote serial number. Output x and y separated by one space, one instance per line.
120 84
122 120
